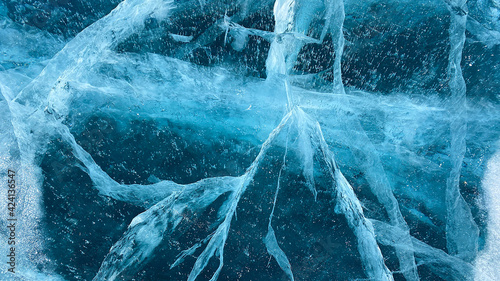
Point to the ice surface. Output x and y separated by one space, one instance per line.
461 230
490 253
449 267
251 140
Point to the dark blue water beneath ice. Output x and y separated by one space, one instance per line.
167 94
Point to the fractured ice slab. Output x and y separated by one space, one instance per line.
252 140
